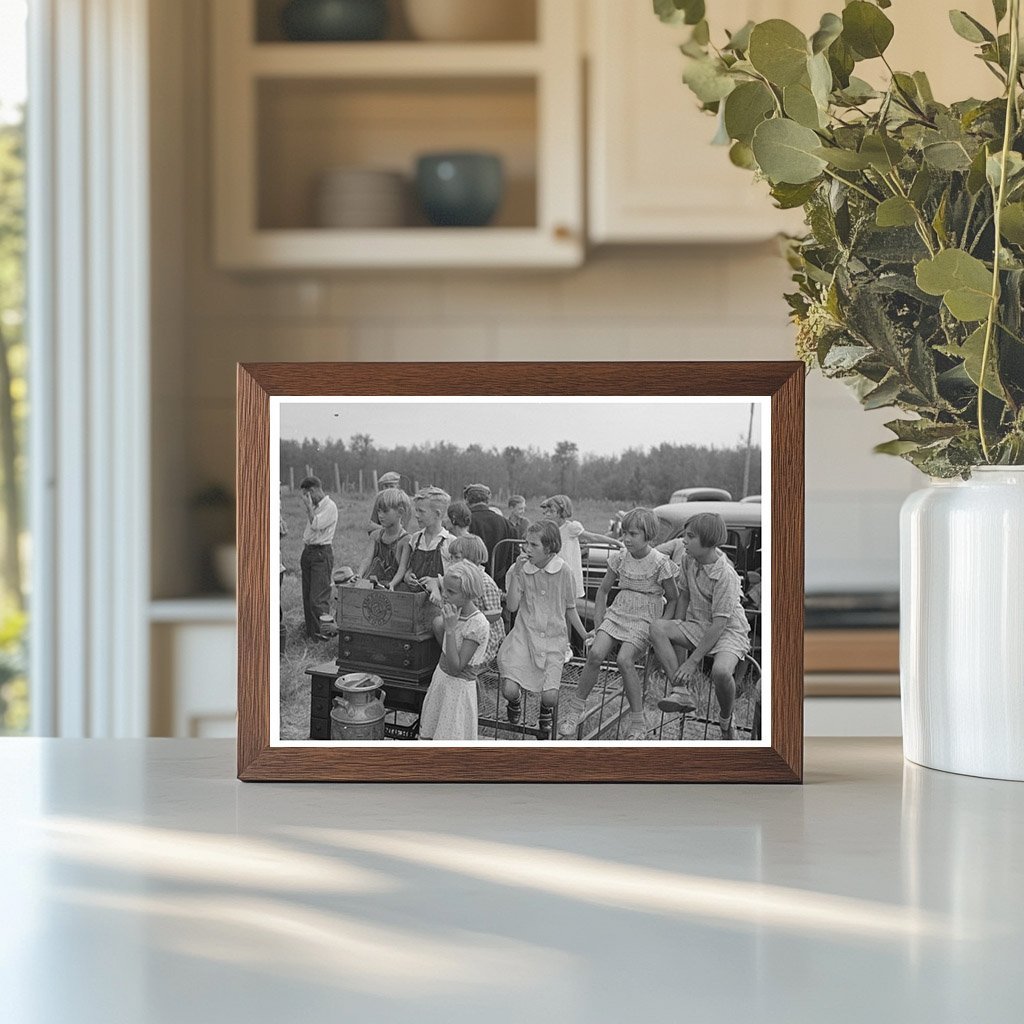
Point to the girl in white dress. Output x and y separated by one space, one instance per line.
450 706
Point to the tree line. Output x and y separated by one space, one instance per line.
637 476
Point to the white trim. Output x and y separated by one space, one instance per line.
89 334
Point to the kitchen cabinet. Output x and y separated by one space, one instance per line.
653 175
286 113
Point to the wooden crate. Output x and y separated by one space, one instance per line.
386 613
388 655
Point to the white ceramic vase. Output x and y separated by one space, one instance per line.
962 624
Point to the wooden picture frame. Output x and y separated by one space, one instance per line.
778 385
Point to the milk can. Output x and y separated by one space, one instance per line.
358 714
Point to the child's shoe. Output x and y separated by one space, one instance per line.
569 719
514 710
678 699
726 726
544 723
637 727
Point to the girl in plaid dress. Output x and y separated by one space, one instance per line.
472 549
647 590
709 619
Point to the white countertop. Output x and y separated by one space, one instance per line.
143 884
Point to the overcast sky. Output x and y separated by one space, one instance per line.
601 428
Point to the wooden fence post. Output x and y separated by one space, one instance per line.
291 479
337 479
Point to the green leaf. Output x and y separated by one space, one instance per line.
1011 225
885 394
829 30
701 33
745 108
895 447
976 175
963 281
1014 169
896 212
841 60
844 159
742 155
778 50
883 153
789 197
968 28
946 156
971 352
858 91
785 152
924 88
999 7
707 80
676 12
800 105
866 29
820 75
939 220
923 431
921 185
739 41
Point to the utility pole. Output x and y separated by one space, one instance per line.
746 466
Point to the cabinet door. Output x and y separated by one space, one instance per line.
653 175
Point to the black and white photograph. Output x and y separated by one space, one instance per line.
498 570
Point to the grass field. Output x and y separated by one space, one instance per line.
350 546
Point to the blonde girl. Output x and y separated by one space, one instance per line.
647 591
540 588
558 509
473 549
450 706
708 620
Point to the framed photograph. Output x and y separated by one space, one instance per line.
514 572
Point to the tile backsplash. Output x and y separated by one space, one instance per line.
716 302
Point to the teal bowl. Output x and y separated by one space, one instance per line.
462 190
333 21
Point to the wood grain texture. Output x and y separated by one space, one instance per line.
852 650
549 762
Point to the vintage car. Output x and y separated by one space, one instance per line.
743 545
699 494
684 494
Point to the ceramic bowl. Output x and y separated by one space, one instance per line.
334 20
460 189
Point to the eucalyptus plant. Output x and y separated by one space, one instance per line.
910 278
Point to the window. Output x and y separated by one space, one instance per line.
14 705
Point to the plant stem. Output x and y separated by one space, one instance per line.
993 308
850 184
922 225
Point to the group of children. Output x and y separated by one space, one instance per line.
682 598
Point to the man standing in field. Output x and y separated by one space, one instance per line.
317 554
492 528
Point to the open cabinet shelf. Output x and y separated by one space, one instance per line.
287 114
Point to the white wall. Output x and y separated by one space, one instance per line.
716 302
